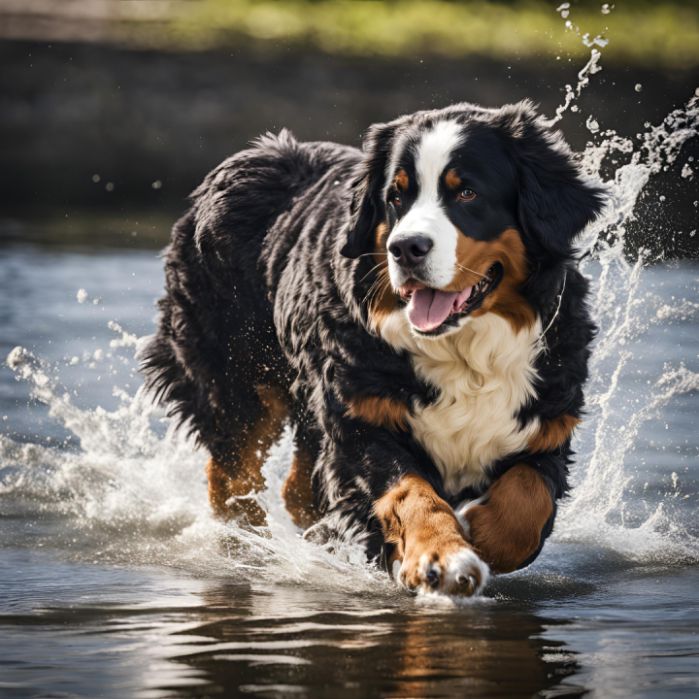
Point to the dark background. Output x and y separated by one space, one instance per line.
103 133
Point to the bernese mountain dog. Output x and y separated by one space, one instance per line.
413 310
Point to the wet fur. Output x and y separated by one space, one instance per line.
276 278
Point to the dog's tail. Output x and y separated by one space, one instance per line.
215 331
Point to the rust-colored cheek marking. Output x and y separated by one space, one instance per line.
452 180
380 238
475 257
553 433
506 531
382 412
380 299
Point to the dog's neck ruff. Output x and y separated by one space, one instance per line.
484 374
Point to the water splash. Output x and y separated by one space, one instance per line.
623 311
573 93
134 490
587 71
132 494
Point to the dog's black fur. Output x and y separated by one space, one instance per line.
266 283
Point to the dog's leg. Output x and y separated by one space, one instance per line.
508 524
233 480
431 552
298 488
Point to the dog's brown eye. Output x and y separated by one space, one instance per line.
467 195
396 199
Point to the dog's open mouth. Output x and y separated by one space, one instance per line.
431 311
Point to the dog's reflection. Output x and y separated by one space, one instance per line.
294 641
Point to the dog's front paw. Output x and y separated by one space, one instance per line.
430 551
451 568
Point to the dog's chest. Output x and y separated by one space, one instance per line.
483 374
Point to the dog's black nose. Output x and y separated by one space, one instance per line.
410 252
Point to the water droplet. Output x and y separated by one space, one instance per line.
109 186
592 124
157 184
638 87
96 178
564 10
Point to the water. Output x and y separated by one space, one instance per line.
116 581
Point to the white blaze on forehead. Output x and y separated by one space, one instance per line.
433 154
427 216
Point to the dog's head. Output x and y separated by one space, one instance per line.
459 205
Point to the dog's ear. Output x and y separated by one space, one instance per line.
555 202
367 207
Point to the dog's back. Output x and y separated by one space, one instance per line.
216 344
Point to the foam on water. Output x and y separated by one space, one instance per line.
134 490
132 494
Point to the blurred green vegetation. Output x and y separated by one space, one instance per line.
89 229
662 34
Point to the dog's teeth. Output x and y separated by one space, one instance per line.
482 284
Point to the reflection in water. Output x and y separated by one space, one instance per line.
179 636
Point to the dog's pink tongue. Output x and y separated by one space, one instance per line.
429 308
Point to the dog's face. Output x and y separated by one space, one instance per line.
459 204
451 198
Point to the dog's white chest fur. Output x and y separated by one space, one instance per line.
484 374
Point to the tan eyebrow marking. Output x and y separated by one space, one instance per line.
401 180
452 179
